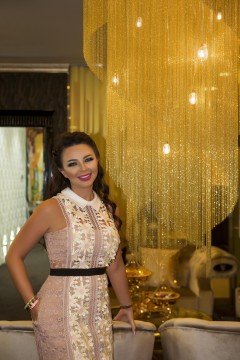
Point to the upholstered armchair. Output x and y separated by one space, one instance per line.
184 270
195 339
17 341
133 347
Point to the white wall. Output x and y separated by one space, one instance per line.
13 204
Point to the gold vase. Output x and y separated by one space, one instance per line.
136 275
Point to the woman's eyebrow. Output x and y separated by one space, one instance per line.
77 159
87 156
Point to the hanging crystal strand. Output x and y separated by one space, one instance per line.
194 186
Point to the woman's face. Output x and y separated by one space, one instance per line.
80 166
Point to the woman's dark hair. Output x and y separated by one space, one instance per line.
58 182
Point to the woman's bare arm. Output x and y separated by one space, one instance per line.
33 230
117 276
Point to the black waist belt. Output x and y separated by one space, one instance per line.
78 272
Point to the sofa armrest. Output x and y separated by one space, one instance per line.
17 340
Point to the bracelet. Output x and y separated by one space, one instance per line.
126 306
27 304
31 303
31 306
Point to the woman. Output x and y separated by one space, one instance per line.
71 313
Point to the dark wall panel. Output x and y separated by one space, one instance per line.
36 91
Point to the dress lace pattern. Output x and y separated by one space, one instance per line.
74 319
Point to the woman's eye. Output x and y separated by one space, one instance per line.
71 164
88 159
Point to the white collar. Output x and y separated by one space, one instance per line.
95 202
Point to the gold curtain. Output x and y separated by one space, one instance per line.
172 112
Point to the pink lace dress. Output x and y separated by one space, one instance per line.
74 319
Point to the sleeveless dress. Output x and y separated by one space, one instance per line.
74 319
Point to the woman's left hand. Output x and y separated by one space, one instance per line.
126 315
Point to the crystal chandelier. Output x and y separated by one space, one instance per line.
173 151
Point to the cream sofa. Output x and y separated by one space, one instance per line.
195 339
17 341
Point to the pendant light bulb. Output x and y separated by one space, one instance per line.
219 15
139 22
192 98
99 65
166 149
115 80
202 52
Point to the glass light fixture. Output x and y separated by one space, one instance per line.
139 22
99 65
115 80
219 15
202 52
192 98
166 149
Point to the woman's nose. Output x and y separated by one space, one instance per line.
83 166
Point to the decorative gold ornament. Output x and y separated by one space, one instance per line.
137 275
180 46
136 272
